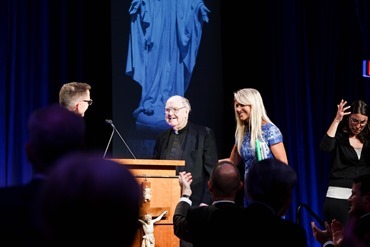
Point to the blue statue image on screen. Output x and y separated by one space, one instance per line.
162 49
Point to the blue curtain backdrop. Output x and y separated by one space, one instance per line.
302 55
44 44
24 81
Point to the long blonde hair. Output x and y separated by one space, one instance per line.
258 115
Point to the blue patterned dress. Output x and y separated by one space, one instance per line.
271 135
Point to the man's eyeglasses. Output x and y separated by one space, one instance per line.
90 101
356 122
173 109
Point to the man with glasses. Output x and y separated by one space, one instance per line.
75 96
196 144
347 140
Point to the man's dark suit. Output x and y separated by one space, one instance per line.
264 228
215 225
19 215
200 155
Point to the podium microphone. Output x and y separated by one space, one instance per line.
108 121
110 139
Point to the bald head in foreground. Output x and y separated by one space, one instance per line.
90 200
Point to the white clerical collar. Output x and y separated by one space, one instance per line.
215 202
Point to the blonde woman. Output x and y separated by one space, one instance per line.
256 136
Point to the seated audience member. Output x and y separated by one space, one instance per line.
91 201
217 224
53 131
75 96
269 186
356 232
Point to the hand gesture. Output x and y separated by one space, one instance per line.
321 235
185 179
342 110
337 232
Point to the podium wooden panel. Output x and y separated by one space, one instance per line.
165 189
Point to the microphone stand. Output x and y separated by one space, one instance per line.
123 140
110 139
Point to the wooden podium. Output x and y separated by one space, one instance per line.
158 177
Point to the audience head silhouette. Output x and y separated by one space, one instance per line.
90 200
271 181
224 181
53 132
360 198
357 229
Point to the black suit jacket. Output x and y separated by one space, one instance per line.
200 155
19 214
263 227
214 225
